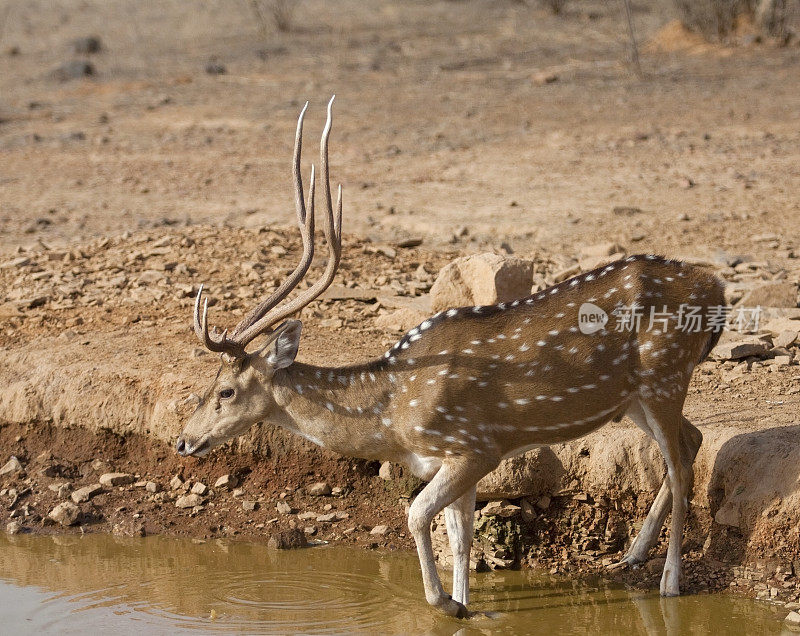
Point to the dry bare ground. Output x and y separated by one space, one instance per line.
473 125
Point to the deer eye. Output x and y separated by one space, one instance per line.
226 393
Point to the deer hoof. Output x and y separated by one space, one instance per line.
618 566
669 584
451 607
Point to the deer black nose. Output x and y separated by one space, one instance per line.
181 446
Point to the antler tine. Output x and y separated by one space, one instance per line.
305 222
298 178
201 329
333 235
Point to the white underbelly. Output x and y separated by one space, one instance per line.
423 467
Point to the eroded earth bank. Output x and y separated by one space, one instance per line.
100 369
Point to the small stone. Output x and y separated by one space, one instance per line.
215 68
13 527
792 620
625 210
86 493
528 510
73 69
543 503
188 501
307 515
775 294
61 489
500 509
175 483
319 489
310 530
600 250
785 338
249 505
728 515
66 513
238 492
414 241
152 486
87 45
331 516
385 471
379 530
12 466
288 540
21 261
544 77
739 349
331 323
566 273
283 508
109 480
199 488
227 481
99 466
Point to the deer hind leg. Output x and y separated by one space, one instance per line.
453 480
690 440
460 517
666 422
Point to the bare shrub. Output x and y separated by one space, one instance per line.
556 6
717 19
771 17
714 19
281 12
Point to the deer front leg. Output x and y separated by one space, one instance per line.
455 478
460 517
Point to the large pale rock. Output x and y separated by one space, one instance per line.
780 294
66 513
481 279
532 474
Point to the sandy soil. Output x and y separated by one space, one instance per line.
126 189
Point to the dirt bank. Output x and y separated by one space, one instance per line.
96 384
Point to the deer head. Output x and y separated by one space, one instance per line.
242 392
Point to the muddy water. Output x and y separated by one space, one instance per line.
98 582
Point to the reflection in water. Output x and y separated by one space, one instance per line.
72 583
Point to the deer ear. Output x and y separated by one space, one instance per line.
280 353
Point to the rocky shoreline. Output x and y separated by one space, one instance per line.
569 532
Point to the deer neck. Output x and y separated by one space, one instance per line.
339 408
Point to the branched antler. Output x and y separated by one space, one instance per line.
267 313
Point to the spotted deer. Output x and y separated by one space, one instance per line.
471 386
